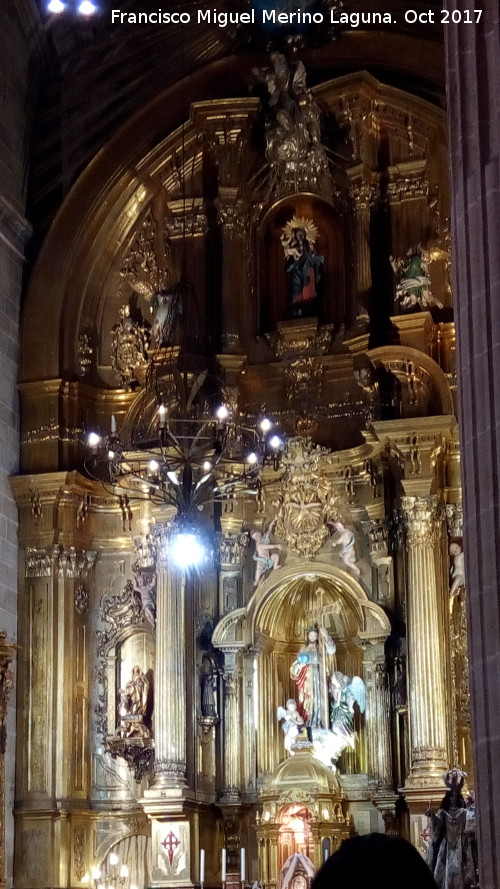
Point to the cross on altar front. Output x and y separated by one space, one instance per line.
170 844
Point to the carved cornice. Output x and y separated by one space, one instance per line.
59 561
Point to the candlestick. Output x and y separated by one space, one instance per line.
223 865
113 424
242 865
202 866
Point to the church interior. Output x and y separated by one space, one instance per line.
249 472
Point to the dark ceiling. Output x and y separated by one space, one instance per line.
97 74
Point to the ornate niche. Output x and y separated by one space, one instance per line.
126 653
301 232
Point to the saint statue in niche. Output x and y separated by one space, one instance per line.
303 265
311 672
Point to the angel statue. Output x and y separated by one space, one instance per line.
346 540
264 557
345 692
292 723
413 281
303 265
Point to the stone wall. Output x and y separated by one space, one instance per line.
20 23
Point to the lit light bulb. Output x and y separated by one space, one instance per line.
93 439
207 466
124 870
96 872
154 466
113 859
186 551
222 412
265 424
56 7
86 7
85 878
275 442
111 455
252 459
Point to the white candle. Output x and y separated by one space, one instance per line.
223 865
325 853
113 423
202 865
242 863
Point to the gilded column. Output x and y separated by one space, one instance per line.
426 645
233 226
170 677
377 717
232 729
362 192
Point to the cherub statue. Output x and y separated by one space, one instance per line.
265 559
413 281
457 570
346 540
292 723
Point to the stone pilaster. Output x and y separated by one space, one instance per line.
473 79
426 646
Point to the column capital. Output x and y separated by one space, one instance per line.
454 519
421 516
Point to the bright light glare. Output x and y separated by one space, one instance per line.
56 7
153 466
85 878
96 872
207 466
275 442
252 458
222 412
93 439
113 859
111 455
265 424
86 7
186 550
124 870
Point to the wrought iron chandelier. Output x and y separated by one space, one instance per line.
190 450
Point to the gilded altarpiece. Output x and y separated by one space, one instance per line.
162 711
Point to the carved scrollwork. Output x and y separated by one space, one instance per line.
129 343
307 499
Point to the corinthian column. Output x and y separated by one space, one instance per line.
362 192
426 646
170 677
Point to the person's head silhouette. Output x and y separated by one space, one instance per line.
375 861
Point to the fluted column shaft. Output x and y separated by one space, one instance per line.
426 647
377 722
232 735
362 192
170 679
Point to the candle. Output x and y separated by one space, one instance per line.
242 862
223 865
113 424
202 865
